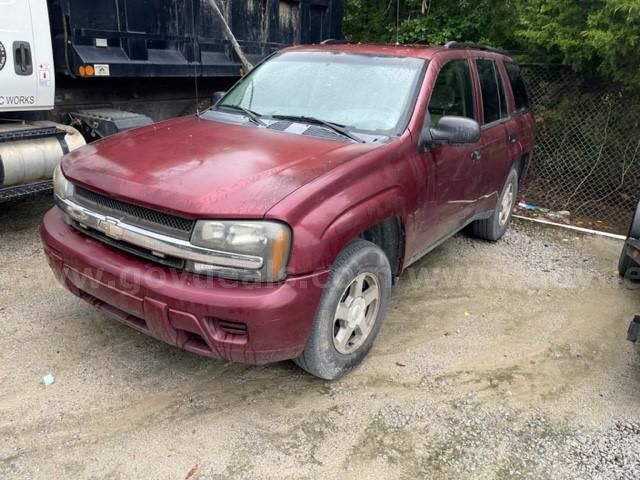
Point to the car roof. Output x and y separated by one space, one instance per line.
402 50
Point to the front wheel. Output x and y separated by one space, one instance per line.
351 311
494 227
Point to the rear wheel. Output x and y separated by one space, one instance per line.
351 311
494 227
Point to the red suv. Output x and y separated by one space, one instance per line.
273 225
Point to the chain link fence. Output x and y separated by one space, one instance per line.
587 156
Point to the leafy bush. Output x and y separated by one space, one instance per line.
590 35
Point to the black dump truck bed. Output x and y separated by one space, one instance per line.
181 38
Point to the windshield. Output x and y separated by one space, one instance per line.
362 92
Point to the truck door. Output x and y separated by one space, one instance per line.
26 58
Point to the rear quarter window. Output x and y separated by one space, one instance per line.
518 86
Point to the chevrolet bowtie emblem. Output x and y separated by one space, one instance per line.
111 229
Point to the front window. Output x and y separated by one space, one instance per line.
452 93
363 92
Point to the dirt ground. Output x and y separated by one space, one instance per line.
504 360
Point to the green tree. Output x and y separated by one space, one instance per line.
594 35
589 35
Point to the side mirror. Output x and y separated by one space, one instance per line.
451 131
217 96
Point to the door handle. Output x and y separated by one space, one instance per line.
476 155
512 139
22 58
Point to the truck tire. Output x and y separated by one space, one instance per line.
351 311
494 227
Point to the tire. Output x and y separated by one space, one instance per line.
494 227
331 351
627 267
634 227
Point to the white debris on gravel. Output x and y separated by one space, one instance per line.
497 361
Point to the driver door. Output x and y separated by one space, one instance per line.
26 58
456 168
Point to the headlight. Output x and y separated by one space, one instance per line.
270 241
61 186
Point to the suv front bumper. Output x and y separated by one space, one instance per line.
242 322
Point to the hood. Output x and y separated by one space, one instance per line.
203 168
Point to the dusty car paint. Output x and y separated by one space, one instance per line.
327 191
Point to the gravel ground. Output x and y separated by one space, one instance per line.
502 360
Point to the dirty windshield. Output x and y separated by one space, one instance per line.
361 92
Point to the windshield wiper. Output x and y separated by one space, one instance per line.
336 127
253 116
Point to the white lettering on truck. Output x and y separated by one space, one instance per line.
17 100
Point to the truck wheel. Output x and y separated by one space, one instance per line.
351 311
494 227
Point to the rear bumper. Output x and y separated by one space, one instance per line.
242 322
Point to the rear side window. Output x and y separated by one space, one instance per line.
493 99
518 86
453 92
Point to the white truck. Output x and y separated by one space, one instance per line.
29 149
72 71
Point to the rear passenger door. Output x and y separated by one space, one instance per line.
495 159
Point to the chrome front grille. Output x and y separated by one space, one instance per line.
120 232
172 262
153 220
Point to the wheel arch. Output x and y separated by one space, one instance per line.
388 234
378 219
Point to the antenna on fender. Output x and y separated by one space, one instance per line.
397 22
195 76
195 67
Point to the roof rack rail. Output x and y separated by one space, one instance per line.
475 46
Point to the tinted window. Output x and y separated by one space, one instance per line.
518 86
503 99
453 92
493 99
